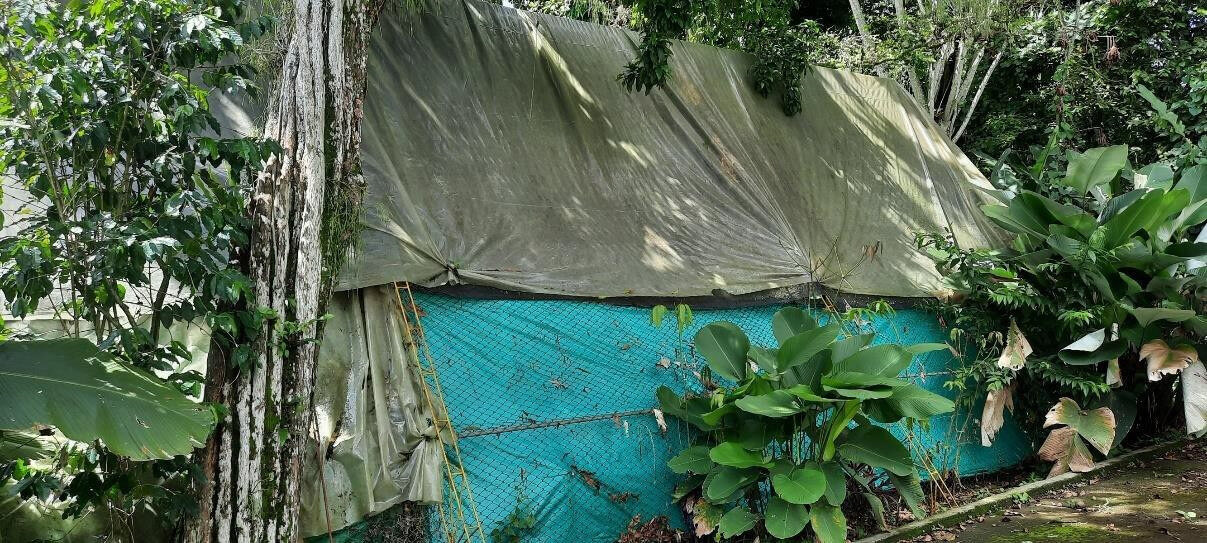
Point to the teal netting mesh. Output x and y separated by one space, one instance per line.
552 403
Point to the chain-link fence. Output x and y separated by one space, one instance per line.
551 401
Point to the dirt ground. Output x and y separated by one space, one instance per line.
1164 499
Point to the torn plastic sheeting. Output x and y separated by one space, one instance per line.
375 428
500 150
369 408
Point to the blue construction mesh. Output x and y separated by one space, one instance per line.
552 401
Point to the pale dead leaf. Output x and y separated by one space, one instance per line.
1067 451
664 363
993 416
1016 351
1163 359
660 420
1096 426
1114 377
1194 398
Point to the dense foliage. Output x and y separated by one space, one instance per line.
130 201
786 425
1098 294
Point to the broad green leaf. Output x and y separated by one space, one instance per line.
724 347
737 521
670 403
837 425
713 418
685 487
1108 351
877 509
876 447
862 393
910 489
657 313
1094 167
883 360
805 393
828 523
785 520
765 358
808 374
800 348
836 483
692 460
923 348
777 403
803 485
914 402
726 481
87 394
1146 213
735 455
1148 315
848 346
789 322
854 379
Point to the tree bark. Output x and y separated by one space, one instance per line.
253 460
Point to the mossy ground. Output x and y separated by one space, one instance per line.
1161 500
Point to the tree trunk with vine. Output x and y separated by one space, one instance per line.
253 460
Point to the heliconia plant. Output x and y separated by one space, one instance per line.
775 450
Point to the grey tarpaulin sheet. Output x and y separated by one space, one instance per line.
500 150
372 421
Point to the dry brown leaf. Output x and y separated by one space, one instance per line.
1096 426
1163 359
1016 351
993 416
1065 448
660 420
1114 377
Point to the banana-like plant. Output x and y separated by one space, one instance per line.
801 419
88 395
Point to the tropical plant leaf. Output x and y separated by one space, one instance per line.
829 524
1148 315
876 506
777 403
800 348
733 454
692 460
836 483
737 521
848 346
765 358
803 485
1109 350
785 520
1097 426
876 447
1017 349
854 379
1164 360
808 374
882 360
724 347
89 395
916 402
1095 167
705 516
910 489
789 322
686 486
726 481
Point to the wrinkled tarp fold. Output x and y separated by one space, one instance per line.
500 150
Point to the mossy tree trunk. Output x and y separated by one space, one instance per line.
253 460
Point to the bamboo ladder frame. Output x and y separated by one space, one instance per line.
451 522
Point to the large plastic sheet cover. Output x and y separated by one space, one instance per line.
500 150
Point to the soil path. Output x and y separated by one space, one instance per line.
1160 500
